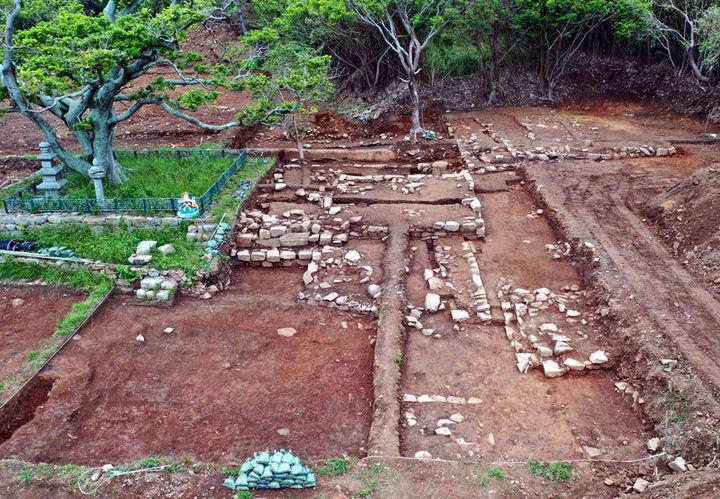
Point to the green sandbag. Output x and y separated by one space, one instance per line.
284 468
297 487
242 480
229 483
263 458
311 481
296 469
267 474
274 467
254 475
274 485
258 469
288 458
247 466
276 457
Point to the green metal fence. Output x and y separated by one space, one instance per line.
26 201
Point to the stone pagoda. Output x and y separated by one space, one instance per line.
51 182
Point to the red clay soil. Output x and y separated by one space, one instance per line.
24 327
218 387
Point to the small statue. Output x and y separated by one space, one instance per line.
188 207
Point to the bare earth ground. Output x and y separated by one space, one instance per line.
218 387
28 316
113 399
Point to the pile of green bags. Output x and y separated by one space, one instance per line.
60 251
220 235
279 470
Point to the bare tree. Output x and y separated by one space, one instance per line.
407 26
683 32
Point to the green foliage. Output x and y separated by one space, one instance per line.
126 274
160 176
496 473
244 494
226 202
450 55
398 359
335 466
116 244
26 474
147 462
553 471
709 27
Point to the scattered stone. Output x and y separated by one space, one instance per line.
18 302
591 451
423 454
432 302
459 315
552 369
140 259
491 439
409 398
598 357
443 431
640 485
574 365
474 400
678 465
145 247
107 468
549 327
653 444
374 290
609 482
457 418
425 398
140 338
166 249
286 332
352 256
283 431
168 330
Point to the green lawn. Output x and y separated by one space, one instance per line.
155 177
116 244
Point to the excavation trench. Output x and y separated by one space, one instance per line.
384 437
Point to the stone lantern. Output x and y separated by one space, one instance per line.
51 182
97 174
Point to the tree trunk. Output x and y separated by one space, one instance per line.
494 62
241 15
415 129
103 146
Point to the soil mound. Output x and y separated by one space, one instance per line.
688 218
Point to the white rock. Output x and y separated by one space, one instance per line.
552 369
678 465
443 431
457 417
425 398
428 274
574 365
572 313
474 400
640 485
459 315
653 444
18 302
286 332
562 347
456 400
331 296
432 302
166 249
374 290
168 330
107 468
308 275
445 422
591 451
145 247
598 357
452 226
423 454
544 351
549 327
140 338
439 398
352 256
140 259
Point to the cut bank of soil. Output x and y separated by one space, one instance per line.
24 328
219 387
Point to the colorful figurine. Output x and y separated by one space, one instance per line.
188 207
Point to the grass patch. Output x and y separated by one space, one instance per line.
116 244
226 202
553 472
336 466
146 462
12 189
155 176
26 474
